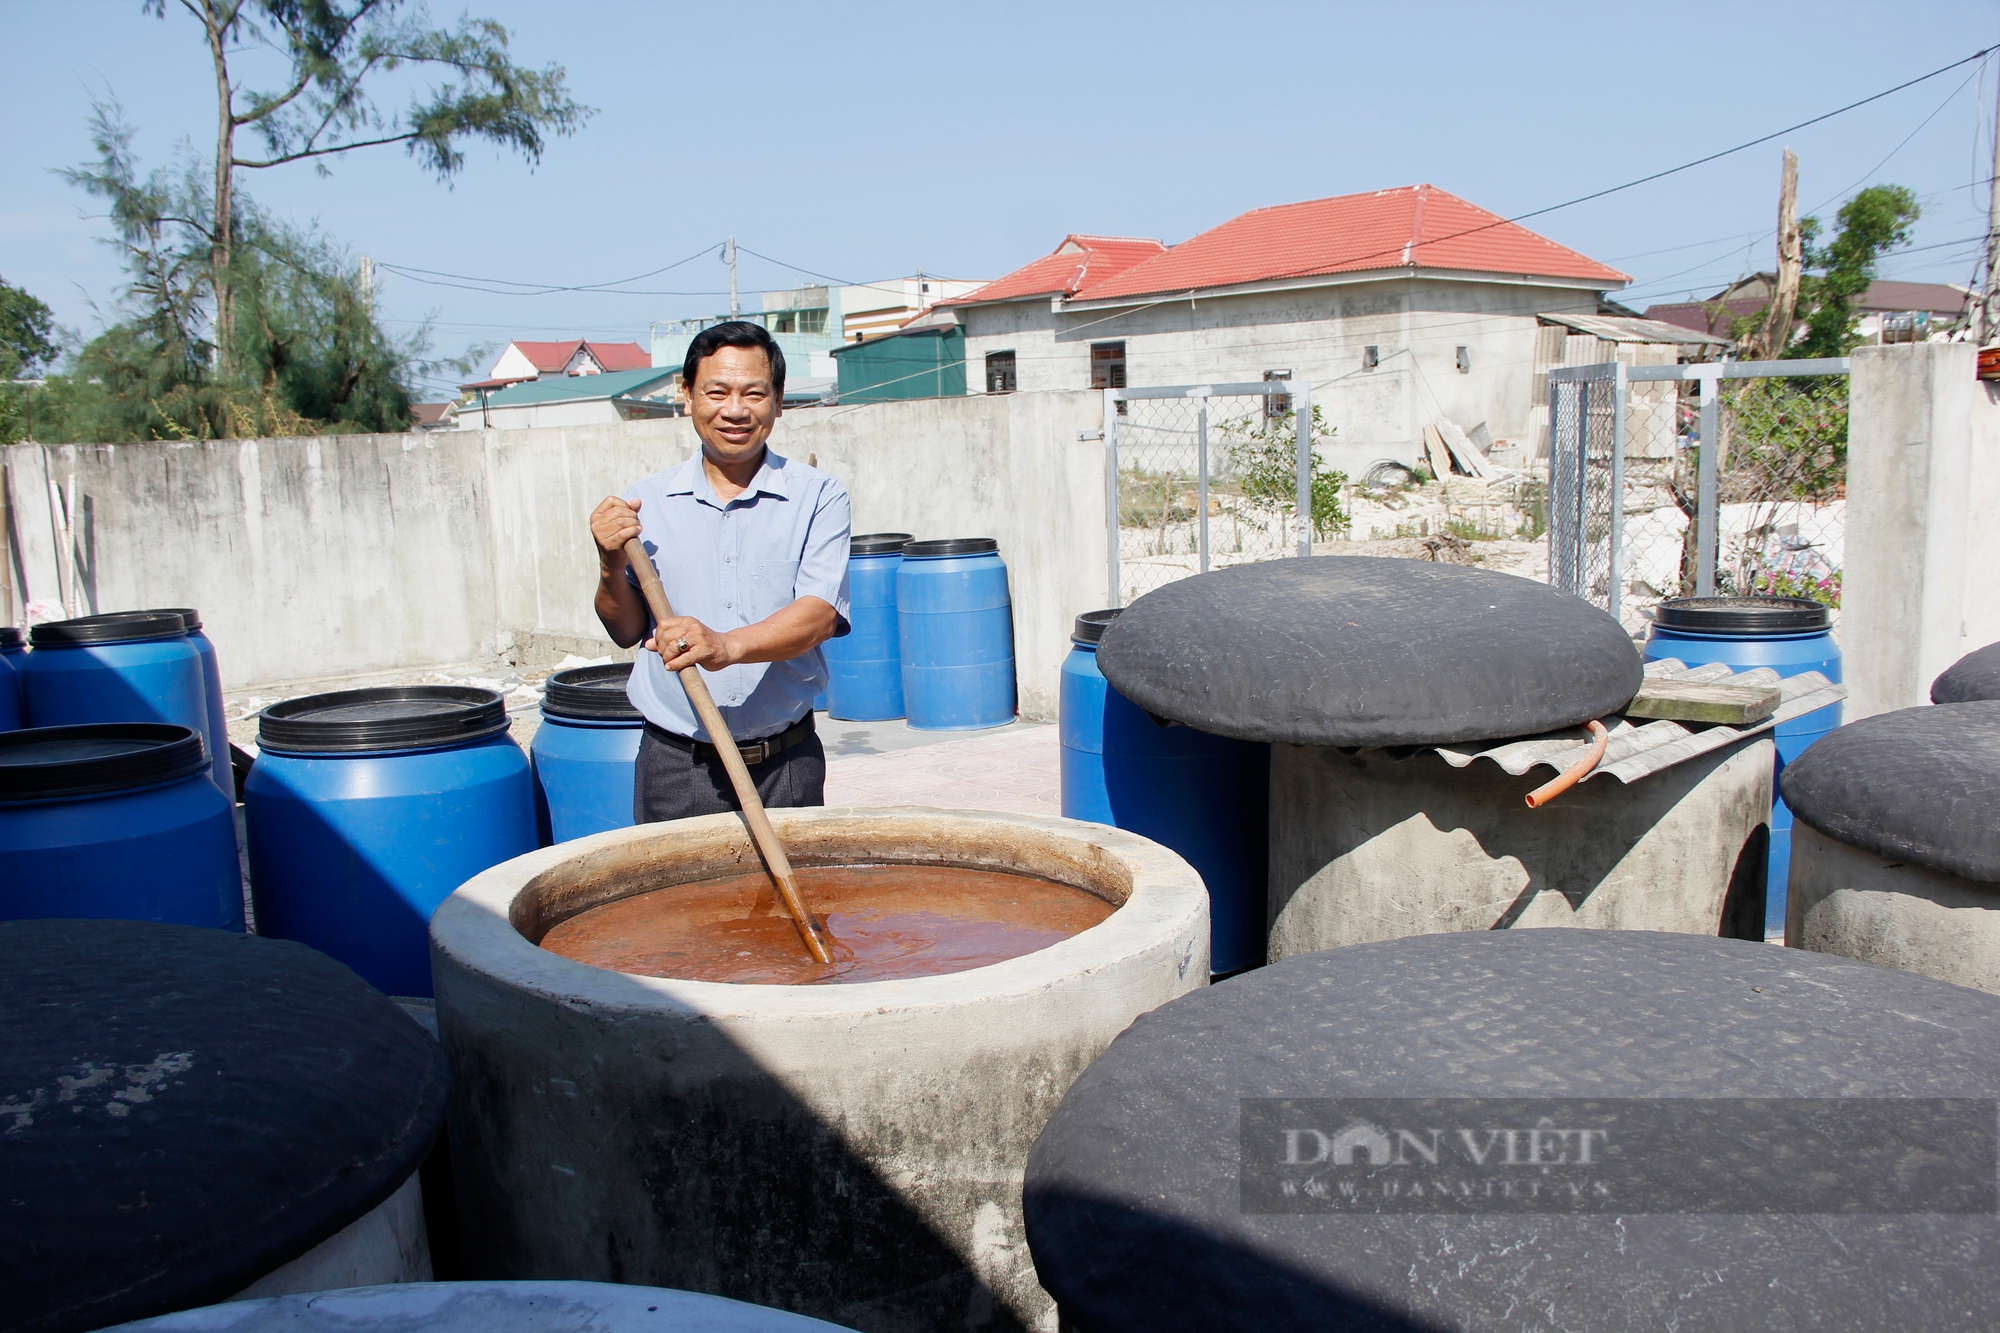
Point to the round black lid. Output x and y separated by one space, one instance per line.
1155 1197
10 637
1920 784
189 616
1358 650
931 550
111 627
397 717
44 763
591 692
1747 616
878 543
1090 626
1972 677
188 1109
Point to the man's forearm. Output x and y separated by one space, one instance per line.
796 629
620 607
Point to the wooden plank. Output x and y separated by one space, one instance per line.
1435 455
1681 700
1463 451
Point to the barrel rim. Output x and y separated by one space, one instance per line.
283 728
1755 617
949 546
178 752
1090 626
11 638
573 693
189 616
879 543
109 627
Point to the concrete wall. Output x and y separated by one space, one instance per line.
1317 333
1923 521
312 558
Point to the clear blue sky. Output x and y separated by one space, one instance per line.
869 140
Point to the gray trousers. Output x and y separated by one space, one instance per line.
670 783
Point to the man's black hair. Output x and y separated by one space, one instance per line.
735 333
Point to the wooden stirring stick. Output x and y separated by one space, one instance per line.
761 831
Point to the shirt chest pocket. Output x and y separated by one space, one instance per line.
773 580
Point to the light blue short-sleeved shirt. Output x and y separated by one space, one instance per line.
734 563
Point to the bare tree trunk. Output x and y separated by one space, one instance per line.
1989 319
1776 334
217 23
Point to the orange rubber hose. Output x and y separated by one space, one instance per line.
1548 791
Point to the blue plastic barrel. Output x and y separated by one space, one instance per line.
1207 797
956 626
1791 635
116 820
583 753
217 730
366 808
128 666
13 657
864 667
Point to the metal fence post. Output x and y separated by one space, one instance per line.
1302 405
1615 601
1705 506
1201 469
1111 497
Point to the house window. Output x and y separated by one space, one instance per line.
1000 372
1465 360
1107 368
785 321
812 321
1276 404
1371 357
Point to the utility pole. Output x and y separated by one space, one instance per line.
367 283
1776 335
733 312
1987 322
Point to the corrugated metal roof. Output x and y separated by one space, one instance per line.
1617 329
1078 261
1639 750
1415 226
580 388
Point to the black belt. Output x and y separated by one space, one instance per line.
754 752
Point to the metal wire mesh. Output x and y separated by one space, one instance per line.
1581 449
1782 487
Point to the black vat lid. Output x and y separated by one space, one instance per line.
596 692
399 717
1358 650
878 543
111 627
932 550
10 638
46 763
1090 626
189 616
1972 677
1136 1191
188 1109
1919 784
1751 617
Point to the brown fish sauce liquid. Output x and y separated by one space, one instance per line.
883 922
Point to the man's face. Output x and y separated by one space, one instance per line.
733 403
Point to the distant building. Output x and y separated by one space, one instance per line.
573 400
1888 311
921 360
1414 302
433 416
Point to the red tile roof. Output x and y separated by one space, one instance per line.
551 357
1079 260
1416 226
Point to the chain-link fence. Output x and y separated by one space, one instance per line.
1640 511
1207 476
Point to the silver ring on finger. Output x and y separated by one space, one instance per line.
681 644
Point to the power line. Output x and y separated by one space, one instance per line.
543 289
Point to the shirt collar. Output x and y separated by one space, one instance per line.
691 478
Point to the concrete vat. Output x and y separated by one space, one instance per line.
850 1152
1368 846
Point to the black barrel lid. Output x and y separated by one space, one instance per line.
1090 626
591 692
189 616
10 638
1972 677
111 627
1367 651
1751 617
932 550
1919 784
46 763
397 717
1148 1196
878 543
188 1109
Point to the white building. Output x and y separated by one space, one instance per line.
1401 306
